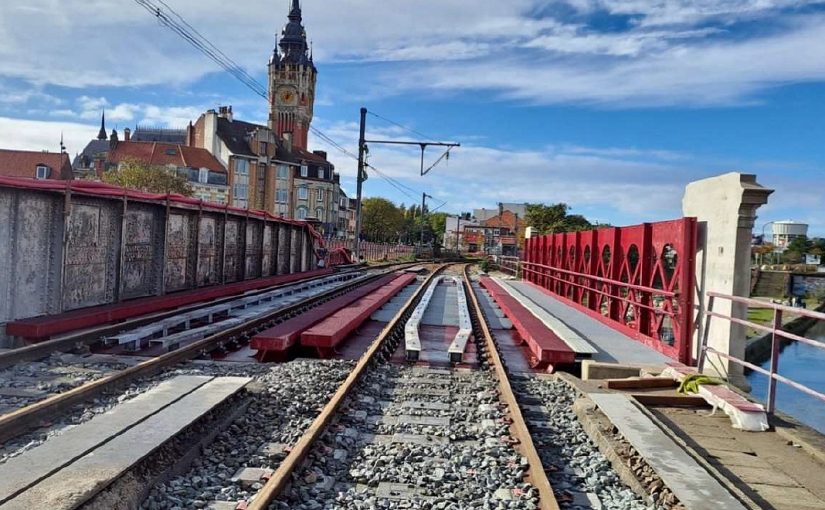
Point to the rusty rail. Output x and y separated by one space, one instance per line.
281 477
21 420
535 472
91 336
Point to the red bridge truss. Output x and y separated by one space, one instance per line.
638 280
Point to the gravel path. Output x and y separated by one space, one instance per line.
580 475
415 438
293 394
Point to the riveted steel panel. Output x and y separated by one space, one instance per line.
267 257
92 253
142 251
180 252
253 252
209 252
7 214
295 250
284 240
232 257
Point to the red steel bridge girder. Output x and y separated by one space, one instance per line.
638 280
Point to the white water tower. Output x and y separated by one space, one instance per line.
786 231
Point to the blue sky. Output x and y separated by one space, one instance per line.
611 106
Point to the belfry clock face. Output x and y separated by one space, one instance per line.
287 97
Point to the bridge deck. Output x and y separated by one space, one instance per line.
612 346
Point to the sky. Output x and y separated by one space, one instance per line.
610 106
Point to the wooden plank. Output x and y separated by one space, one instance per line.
641 383
669 400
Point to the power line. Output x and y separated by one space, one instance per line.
178 24
417 133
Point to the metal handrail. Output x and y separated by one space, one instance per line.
610 295
776 333
642 288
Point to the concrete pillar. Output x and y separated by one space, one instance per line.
294 250
725 208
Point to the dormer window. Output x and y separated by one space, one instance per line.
264 147
171 152
304 171
42 172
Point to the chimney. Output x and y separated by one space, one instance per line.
225 112
113 140
127 134
323 154
500 209
288 141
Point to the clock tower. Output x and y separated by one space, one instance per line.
292 77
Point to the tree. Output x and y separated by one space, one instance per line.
135 174
551 219
796 249
382 221
438 222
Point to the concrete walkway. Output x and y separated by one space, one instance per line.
612 346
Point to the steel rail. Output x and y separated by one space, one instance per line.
536 473
22 420
281 477
91 336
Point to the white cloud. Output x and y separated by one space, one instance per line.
44 135
662 58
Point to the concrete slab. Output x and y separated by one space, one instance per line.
690 483
572 338
791 498
496 319
25 470
77 482
610 344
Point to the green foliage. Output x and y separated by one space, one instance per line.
382 221
485 265
795 251
551 219
135 174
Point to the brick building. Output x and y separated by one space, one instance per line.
35 165
206 175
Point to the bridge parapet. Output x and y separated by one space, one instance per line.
70 245
725 207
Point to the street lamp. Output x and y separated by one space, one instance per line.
761 255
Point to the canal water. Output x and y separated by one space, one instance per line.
804 364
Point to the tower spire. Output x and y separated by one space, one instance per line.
295 11
102 134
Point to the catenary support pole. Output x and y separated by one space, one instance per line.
356 249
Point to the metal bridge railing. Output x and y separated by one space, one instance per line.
509 265
777 336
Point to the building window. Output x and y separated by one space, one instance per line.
281 196
283 172
319 213
304 171
321 173
320 194
242 167
42 172
302 213
203 175
263 146
303 193
260 189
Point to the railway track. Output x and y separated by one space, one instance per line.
42 406
448 430
416 436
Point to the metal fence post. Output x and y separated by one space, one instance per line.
700 366
775 344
